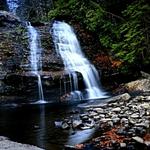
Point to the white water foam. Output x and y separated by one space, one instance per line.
12 6
35 58
68 47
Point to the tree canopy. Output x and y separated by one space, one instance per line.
122 26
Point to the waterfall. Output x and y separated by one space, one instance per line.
68 47
35 57
12 6
35 49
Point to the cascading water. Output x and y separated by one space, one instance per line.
67 46
35 58
12 5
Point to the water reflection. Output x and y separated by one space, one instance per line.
42 127
35 124
80 136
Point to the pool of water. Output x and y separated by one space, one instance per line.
35 124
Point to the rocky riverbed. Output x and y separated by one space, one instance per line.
121 123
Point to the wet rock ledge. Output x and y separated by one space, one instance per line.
6 144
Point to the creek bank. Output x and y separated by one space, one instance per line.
122 123
6 144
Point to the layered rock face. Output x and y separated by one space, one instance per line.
14 52
8 45
15 69
31 10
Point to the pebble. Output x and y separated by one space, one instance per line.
65 125
126 108
123 145
145 106
92 114
135 115
110 123
147 113
96 117
85 118
85 128
76 123
58 123
116 109
132 121
102 116
147 143
105 120
121 131
124 121
138 139
116 120
142 125
123 116
99 110
83 115
148 98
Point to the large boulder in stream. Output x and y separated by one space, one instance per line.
136 87
142 85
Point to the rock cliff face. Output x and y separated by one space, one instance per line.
31 10
14 53
15 75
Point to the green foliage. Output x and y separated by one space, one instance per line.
133 39
65 8
86 12
53 13
124 35
92 18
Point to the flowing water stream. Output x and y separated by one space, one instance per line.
68 47
35 125
12 6
35 58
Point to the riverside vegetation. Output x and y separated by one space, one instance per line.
122 27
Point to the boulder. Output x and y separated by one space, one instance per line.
76 123
6 144
99 104
142 85
145 75
123 97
